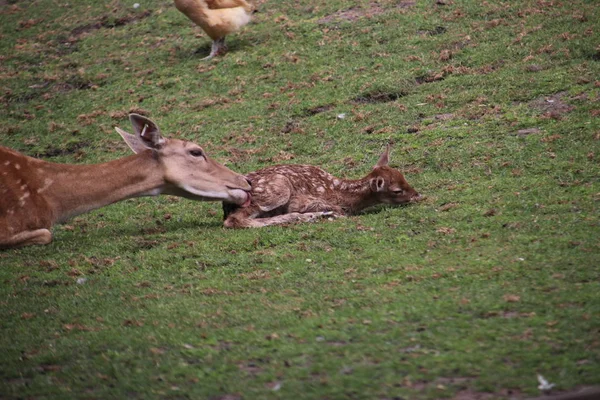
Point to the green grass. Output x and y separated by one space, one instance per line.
490 281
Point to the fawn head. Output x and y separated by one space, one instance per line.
185 167
389 185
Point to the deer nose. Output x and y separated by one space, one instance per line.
416 197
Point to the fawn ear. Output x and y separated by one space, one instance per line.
377 184
384 158
146 131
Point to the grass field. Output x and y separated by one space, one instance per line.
493 109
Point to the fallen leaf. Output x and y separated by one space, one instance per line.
132 322
529 131
274 386
448 206
511 298
74 272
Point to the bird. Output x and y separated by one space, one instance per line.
217 18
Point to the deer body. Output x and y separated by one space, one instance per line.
35 194
292 193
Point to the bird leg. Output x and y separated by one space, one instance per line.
218 47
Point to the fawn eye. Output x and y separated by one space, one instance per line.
398 191
196 153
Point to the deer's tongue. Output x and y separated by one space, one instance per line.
248 200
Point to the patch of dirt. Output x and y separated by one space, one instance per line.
71 148
469 394
238 155
432 77
251 368
352 14
227 397
309 112
552 105
378 96
438 30
291 126
406 4
444 117
207 103
74 83
528 131
457 381
107 22
580 393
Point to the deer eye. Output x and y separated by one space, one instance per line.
196 153
398 191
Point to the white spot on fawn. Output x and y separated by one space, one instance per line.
17 166
47 183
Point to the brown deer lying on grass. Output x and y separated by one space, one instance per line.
35 194
298 193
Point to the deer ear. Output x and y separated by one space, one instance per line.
132 141
377 184
384 158
146 131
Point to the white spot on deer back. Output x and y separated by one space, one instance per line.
47 183
6 162
321 189
17 166
25 195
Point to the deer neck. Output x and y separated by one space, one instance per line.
356 195
76 189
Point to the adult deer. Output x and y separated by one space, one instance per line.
298 193
35 194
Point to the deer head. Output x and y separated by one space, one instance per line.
186 168
388 184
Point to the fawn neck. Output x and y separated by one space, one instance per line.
355 195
